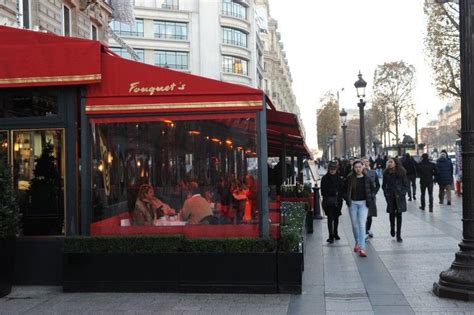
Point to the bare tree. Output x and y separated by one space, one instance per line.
327 119
442 46
393 91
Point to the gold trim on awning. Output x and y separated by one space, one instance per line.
70 78
136 107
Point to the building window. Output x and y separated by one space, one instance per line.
233 64
122 52
171 30
234 37
31 102
172 59
25 13
234 9
66 21
128 30
94 35
170 4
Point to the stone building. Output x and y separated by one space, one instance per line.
77 18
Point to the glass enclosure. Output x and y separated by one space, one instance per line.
175 172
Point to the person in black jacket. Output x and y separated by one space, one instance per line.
410 166
359 192
331 191
427 171
373 207
395 186
445 177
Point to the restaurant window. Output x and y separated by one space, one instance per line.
172 59
236 65
124 29
171 30
234 9
38 174
234 37
122 52
146 173
31 102
66 21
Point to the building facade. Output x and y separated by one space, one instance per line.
233 41
76 18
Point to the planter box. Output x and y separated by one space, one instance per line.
7 265
121 272
171 272
290 272
229 272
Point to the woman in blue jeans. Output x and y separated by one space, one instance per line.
360 192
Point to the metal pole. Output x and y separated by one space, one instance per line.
361 105
344 139
458 281
416 134
262 153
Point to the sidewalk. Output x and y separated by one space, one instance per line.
396 278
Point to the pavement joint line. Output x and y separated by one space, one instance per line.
373 258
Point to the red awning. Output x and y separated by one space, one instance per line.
30 58
130 87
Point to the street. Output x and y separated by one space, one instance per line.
395 278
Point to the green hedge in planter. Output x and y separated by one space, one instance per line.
123 244
292 221
229 245
164 244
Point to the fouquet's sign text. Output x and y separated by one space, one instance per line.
136 88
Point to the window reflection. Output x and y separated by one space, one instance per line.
202 171
38 172
32 102
3 147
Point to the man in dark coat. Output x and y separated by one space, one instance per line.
427 171
332 192
410 166
445 177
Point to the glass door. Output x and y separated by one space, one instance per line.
38 173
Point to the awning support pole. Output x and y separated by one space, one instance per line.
262 153
86 206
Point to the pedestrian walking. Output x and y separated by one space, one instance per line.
332 186
379 165
409 164
427 172
395 186
373 206
358 193
445 177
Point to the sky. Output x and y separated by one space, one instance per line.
327 42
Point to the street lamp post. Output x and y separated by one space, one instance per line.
334 137
360 87
458 281
416 134
343 115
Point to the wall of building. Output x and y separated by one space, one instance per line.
48 15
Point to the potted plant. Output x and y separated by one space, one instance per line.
10 221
